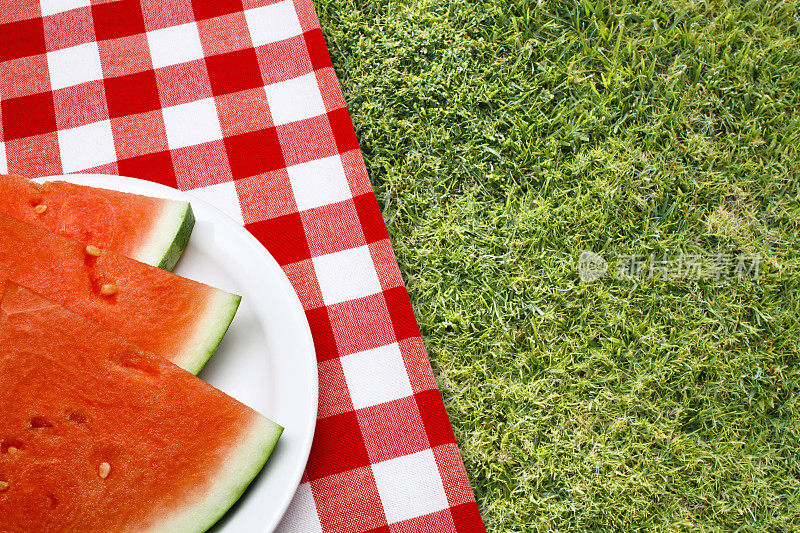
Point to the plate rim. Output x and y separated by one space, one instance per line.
281 277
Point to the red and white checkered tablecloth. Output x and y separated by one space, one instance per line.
238 101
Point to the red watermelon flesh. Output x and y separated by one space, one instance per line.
181 319
152 230
98 435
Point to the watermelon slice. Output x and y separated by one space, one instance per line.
97 435
151 230
157 310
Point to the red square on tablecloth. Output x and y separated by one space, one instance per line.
28 115
467 518
154 167
385 263
252 4
117 19
416 362
131 94
403 320
329 89
21 38
457 488
324 342
431 408
356 174
307 15
338 447
205 9
109 168
234 71
254 153
318 51
280 236
370 217
438 521
342 129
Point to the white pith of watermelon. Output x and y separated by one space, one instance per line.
169 236
209 332
245 462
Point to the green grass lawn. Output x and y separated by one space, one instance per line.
504 137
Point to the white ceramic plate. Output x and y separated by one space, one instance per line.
266 359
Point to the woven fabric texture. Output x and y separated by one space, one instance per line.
237 100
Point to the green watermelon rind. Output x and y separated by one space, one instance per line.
169 237
210 331
240 469
180 241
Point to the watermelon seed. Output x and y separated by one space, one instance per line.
11 445
93 250
108 289
104 470
40 422
77 417
3 486
40 209
53 500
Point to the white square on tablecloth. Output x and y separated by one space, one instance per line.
51 7
376 376
86 146
272 23
302 513
319 182
410 486
74 65
3 161
295 99
223 196
346 275
173 45
192 123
